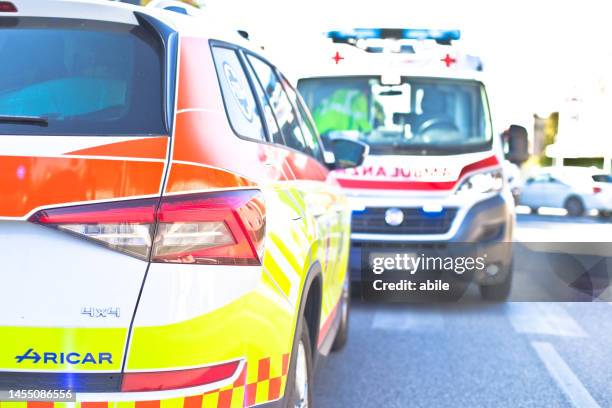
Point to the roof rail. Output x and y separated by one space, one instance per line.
176 6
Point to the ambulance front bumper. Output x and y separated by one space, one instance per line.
488 223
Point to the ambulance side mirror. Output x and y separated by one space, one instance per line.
518 145
347 153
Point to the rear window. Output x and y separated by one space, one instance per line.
602 178
79 77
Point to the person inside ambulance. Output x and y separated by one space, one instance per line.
434 114
346 109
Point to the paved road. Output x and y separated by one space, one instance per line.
516 354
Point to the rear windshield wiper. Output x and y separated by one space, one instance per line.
27 120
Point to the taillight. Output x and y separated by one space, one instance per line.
175 379
596 190
7 7
221 228
124 226
208 228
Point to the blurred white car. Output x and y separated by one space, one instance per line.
577 189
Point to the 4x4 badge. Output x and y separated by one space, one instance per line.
101 311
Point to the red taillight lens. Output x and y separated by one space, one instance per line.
596 190
209 228
7 7
172 380
222 228
125 226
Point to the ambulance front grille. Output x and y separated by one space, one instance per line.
416 221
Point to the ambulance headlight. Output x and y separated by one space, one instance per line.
482 183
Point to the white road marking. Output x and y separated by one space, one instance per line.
404 319
543 318
564 376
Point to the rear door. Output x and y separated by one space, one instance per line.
83 148
322 201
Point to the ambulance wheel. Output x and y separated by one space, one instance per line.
498 292
299 392
345 303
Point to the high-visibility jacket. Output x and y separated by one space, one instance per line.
345 109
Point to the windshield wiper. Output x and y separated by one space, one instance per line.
26 120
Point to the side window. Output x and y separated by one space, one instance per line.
273 129
285 116
308 128
237 96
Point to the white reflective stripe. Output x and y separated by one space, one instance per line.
55 146
160 395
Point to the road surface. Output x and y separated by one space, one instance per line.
514 354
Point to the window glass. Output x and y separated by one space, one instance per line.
287 121
602 178
239 101
308 128
419 115
79 77
273 128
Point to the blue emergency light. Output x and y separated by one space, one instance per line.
441 36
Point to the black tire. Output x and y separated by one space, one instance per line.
500 291
292 392
574 206
345 307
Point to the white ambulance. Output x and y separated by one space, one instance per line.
434 176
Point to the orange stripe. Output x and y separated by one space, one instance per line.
263 371
147 404
32 404
147 148
193 402
274 387
225 399
27 183
250 394
186 177
94 405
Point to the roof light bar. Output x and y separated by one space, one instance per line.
442 36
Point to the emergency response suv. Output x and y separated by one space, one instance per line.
434 177
170 234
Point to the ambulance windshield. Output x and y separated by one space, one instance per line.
416 116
